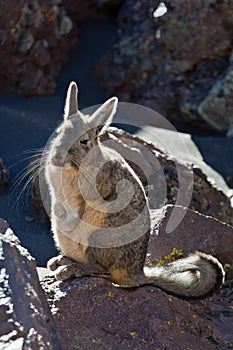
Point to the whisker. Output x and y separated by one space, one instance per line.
32 170
23 173
34 150
23 160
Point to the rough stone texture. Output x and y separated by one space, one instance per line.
25 319
194 232
90 313
35 41
200 192
217 107
178 63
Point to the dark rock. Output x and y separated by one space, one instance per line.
106 317
175 180
193 232
36 39
111 318
217 107
177 63
25 319
3 225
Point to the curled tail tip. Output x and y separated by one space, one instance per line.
216 265
197 276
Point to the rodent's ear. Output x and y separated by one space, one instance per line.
71 105
102 117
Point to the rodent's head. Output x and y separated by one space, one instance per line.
78 133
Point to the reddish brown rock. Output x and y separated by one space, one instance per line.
92 314
25 319
179 229
36 39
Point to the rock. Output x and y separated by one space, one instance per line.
133 55
36 39
25 319
91 313
112 318
190 26
177 63
172 178
3 225
217 107
194 232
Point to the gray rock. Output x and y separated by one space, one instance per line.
217 107
174 62
25 319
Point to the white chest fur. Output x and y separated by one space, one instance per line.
64 203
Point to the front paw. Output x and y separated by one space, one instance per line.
58 261
63 273
53 263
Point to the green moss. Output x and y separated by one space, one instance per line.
174 255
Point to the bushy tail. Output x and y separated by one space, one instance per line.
196 276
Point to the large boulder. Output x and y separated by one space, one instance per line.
180 177
91 313
193 232
174 56
25 319
36 38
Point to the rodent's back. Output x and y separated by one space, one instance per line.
127 230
